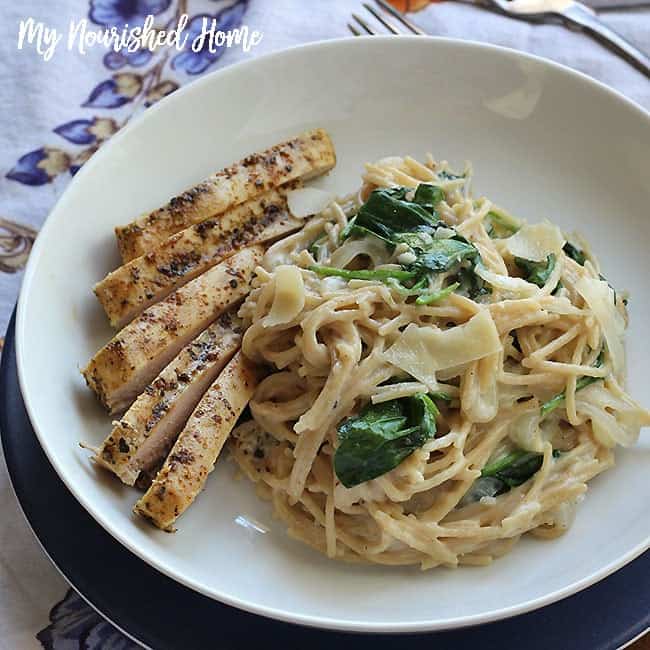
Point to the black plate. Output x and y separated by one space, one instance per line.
161 614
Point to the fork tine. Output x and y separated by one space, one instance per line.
389 25
401 17
364 25
354 30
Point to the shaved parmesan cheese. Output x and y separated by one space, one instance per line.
307 201
535 242
289 296
516 286
420 351
599 296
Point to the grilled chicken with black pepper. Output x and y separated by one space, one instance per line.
131 288
143 436
197 448
119 372
303 157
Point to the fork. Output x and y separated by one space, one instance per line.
384 20
575 14
569 12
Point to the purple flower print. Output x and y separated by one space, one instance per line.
115 13
115 92
87 131
40 166
116 60
197 62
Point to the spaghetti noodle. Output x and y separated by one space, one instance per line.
504 333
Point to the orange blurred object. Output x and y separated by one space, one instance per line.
410 5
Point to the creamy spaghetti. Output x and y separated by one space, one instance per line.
443 377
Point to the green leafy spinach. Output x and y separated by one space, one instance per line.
383 275
537 272
574 253
387 212
382 436
443 254
390 216
503 474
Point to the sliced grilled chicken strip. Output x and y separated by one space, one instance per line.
305 156
198 446
119 372
130 289
142 438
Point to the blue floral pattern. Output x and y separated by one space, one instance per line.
121 89
74 625
115 13
138 80
40 166
195 62
117 60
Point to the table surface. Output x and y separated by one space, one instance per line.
37 163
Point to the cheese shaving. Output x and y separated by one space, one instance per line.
307 201
420 351
600 298
288 298
535 242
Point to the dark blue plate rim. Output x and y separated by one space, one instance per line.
160 613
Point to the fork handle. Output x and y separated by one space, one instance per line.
579 15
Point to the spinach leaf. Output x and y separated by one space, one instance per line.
484 486
583 382
417 240
471 285
537 272
575 253
382 436
423 413
503 474
428 298
428 196
415 290
442 254
503 225
382 419
390 216
514 468
387 211
382 275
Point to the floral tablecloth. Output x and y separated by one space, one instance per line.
55 114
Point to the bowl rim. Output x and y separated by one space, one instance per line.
278 613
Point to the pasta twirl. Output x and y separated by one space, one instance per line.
444 380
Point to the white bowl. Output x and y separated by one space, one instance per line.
545 142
